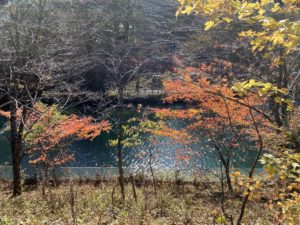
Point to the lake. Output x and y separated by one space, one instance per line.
98 153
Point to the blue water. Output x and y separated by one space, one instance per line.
98 153
4 144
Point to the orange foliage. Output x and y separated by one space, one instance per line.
49 134
5 114
179 114
214 106
57 139
83 128
179 136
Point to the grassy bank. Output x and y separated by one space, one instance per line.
100 203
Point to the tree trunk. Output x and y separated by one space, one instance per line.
137 84
151 170
275 105
121 171
228 178
228 216
280 110
45 181
119 146
276 111
16 162
16 149
252 170
133 188
284 106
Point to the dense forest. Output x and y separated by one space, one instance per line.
197 101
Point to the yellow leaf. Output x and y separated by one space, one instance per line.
209 24
236 174
227 19
188 10
261 11
296 156
282 177
278 99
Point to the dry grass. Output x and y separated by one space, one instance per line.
89 204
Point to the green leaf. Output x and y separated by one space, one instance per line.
221 219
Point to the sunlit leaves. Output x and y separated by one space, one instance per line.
188 10
287 170
132 134
263 89
243 88
221 219
289 165
272 33
227 19
211 108
209 24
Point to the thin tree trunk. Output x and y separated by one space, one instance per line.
280 110
133 188
252 170
46 181
226 163
17 175
119 146
16 149
121 171
228 178
137 84
151 170
284 106
276 111
223 199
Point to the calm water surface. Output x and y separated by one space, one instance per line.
98 153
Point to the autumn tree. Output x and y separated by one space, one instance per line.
38 61
231 119
142 132
20 50
270 28
48 135
122 44
219 116
282 164
51 134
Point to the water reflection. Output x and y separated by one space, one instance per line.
164 154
